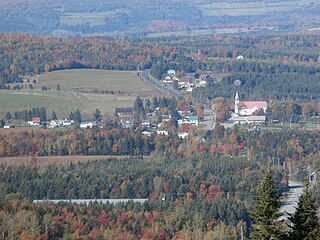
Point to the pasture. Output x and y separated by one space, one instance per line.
83 89
251 8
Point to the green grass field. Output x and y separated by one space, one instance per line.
251 8
67 99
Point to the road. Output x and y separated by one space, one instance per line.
146 76
291 199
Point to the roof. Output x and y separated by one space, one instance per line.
193 118
255 104
36 120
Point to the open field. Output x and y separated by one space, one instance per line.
251 8
78 92
124 81
54 160
61 102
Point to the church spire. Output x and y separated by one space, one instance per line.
236 103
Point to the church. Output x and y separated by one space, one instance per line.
243 111
249 107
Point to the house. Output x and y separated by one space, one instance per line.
167 79
171 72
87 124
126 124
162 132
184 110
247 108
201 83
183 134
55 123
239 57
194 120
124 112
145 123
146 133
34 122
67 122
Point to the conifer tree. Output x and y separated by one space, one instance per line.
266 212
304 221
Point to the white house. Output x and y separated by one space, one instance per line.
167 79
183 134
239 57
162 132
87 124
171 72
146 133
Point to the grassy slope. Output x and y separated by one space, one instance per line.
66 100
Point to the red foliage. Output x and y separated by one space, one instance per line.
154 196
93 234
213 191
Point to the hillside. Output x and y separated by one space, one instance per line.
156 18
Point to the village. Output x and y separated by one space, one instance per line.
159 120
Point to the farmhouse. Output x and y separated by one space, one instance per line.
35 121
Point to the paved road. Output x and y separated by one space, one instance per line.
291 200
146 76
208 118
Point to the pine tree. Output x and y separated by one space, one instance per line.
54 115
304 221
266 212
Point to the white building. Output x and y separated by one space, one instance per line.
247 108
87 124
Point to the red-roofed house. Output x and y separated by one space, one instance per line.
35 121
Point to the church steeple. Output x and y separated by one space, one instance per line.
236 103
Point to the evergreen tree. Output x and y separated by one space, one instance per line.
304 221
77 116
266 212
97 115
54 115
8 116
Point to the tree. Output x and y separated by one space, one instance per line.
8 116
54 115
304 221
77 116
97 115
266 212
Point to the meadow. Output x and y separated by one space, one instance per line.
251 8
83 89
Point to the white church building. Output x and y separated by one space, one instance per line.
243 111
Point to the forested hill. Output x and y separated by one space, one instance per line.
145 18
274 67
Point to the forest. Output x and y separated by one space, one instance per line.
283 67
